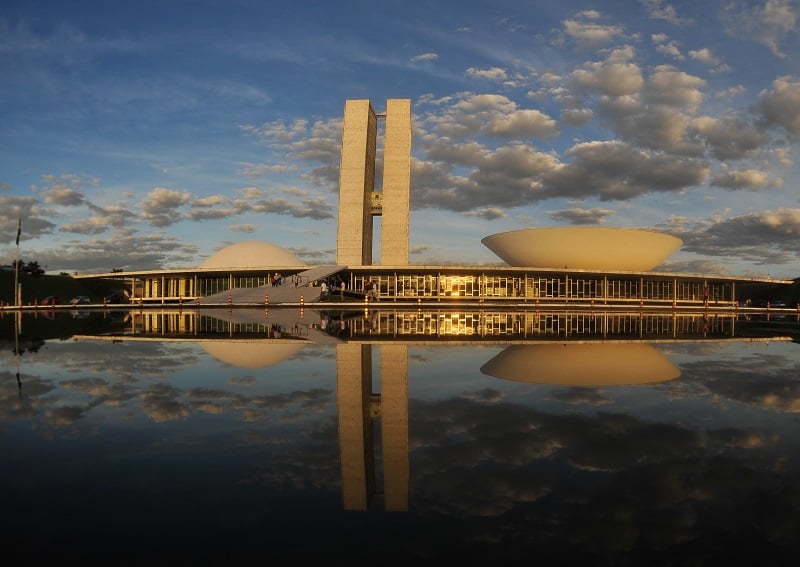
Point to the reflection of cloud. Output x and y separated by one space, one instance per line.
745 439
592 396
777 388
605 483
161 404
65 415
126 359
91 386
486 395
114 375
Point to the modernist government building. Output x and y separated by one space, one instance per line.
575 266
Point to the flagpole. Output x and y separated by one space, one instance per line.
17 333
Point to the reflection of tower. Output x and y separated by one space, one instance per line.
358 408
358 200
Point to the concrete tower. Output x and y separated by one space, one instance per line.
359 202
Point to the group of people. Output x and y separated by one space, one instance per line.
370 289
326 288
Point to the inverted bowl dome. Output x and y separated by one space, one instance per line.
588 248
582 364
250 353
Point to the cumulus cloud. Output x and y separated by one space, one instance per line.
64 196
670 49
674 88
588 34
576 116
198 214
489 213
767 24
490 115
704 55
751 179
142 252
581 216
210 201
91 225
314 207
495 74
615 170
729 137
780 106
660 10
160 206
35 223
763 238
608 78
278 131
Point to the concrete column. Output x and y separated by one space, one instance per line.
356 184
396 183
394 426
354 387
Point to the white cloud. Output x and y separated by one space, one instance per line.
589 34
425 57
767 24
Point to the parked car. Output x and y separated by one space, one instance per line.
51 300
117 298
80 300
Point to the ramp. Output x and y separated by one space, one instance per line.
287 292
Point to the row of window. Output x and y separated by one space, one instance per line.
429 323
472 286
530 324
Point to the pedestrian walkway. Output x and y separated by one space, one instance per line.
287 292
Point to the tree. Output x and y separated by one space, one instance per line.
29 268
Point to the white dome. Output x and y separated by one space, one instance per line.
252 254
250 354
587 248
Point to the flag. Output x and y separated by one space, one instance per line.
19 230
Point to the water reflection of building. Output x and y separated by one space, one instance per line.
583 364
388 324
556 348
359 409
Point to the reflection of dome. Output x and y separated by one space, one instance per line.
589 248
252 254
582 364
250 354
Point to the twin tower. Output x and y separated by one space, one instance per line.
359 201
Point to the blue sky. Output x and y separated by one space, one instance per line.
145 135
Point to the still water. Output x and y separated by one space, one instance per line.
615 439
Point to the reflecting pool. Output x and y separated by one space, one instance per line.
616 439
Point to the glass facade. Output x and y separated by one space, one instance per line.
447 323
454 284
